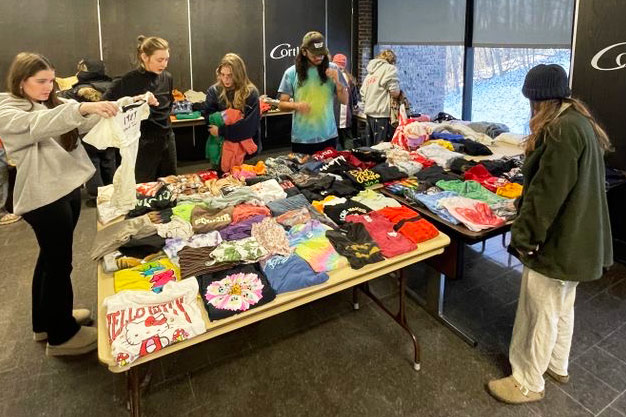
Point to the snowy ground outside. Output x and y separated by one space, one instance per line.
499 98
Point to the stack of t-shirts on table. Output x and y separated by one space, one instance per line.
268 229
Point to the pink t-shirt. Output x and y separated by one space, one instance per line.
391 243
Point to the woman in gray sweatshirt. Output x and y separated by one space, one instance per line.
380 84
40 134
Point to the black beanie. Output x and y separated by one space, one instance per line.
546 82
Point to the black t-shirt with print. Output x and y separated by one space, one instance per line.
363 178
389 172
161 200
369 155
338 212
235 290
354 242
336 166
436 173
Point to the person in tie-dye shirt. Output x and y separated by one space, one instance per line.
313 83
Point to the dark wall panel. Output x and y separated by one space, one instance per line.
286 22
222 26
339 24
601 83
64 30
123 21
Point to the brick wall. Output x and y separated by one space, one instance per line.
364 35
422 69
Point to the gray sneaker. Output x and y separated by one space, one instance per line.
82 317
84 341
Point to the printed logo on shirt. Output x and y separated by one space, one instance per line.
118 320
351 210
365 177
206 220
364 250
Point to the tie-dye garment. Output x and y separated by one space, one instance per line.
310 242
319 124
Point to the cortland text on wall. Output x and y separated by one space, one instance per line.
284 50
610 50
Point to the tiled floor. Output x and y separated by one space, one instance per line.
322 359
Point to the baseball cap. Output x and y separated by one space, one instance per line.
315 43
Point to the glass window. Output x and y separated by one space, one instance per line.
498 78
432 22
523 23
431 76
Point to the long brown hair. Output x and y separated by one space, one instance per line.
303 64
149 45
241 83
544 114
26 65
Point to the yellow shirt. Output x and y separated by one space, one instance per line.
149 276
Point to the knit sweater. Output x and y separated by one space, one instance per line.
45 170
563 216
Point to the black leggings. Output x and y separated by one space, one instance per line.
156 156
53 298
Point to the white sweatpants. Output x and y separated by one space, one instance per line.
544 324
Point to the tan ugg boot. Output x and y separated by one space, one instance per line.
82 317
84 341
510 391
561 379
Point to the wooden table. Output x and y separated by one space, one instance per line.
339 280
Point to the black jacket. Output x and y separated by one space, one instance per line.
248 127
140 81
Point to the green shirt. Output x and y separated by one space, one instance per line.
563 214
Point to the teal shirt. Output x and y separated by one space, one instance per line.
319 124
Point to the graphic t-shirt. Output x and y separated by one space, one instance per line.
313 246
122 131
319 124
338 212
234 291
290 273
142 322
149 276
354 242
390 242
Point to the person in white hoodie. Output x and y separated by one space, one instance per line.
380 84
40 134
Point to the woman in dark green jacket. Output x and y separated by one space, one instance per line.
562 234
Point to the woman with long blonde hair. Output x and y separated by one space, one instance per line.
562 234
234 90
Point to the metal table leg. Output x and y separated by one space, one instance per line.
400 316
134 393
434 304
